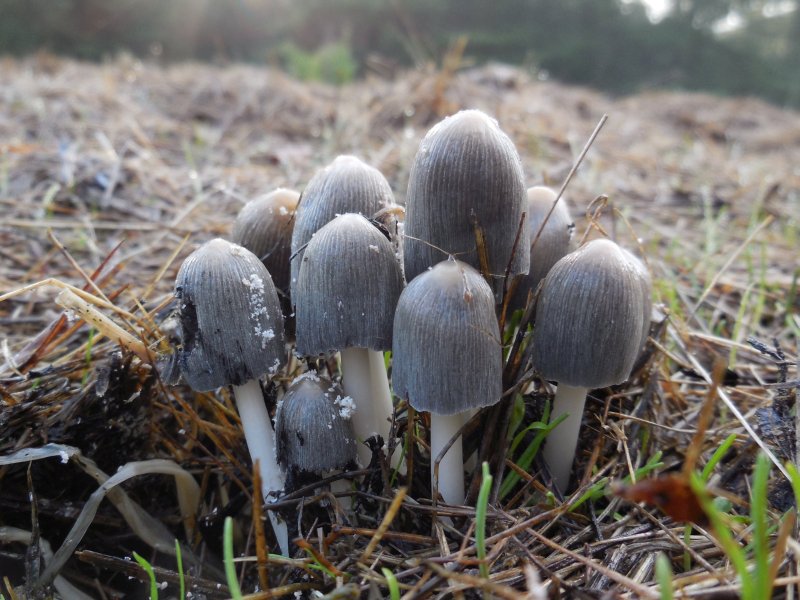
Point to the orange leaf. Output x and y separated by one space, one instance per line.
671 493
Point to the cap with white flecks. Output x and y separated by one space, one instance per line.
313 428
231 327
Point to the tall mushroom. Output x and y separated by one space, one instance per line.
231 332
589 327
347 185
467 174
447 358
547 246
345 298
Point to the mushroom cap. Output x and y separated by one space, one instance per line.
466 170
647 293
231 326
554 242
347 185
589 317
264 226
446 356
347 289
312 426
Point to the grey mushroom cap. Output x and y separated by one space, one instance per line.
347 289
264 226
646 283
231 327
589 317
446 356
313 428
347 185
466 170
554 242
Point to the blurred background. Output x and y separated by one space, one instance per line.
727 47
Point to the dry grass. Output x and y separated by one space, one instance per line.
120 170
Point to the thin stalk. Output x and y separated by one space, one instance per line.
343 486
371 415
559 449
480 519
260 439
382 397
451 466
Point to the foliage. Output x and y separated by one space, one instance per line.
332 63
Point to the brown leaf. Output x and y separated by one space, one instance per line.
671 493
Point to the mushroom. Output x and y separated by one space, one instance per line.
553 242
589 327
313 429
347 185
345 298
466 173
231 332
264 226
447 358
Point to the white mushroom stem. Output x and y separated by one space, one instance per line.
373 404
260 439
343 486
451 466
382 397
559 450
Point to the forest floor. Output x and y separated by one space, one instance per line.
116 172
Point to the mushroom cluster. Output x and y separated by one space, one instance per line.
328 261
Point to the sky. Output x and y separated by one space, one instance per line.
656 9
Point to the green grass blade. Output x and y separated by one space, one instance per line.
719 524
758 518
526 458
391 582
664 577
794 477
597 490
480 519
227 553
517 416
717 456
149 570
179 560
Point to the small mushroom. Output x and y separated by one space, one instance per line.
466 174
590 317
447 358
345 298
549 245
313 428
231 332
347 185
264 226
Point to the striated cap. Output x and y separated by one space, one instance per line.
646 283
231 327
264 226
446 355
347 185
554 241
347 289
466 170
590 316
313 428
